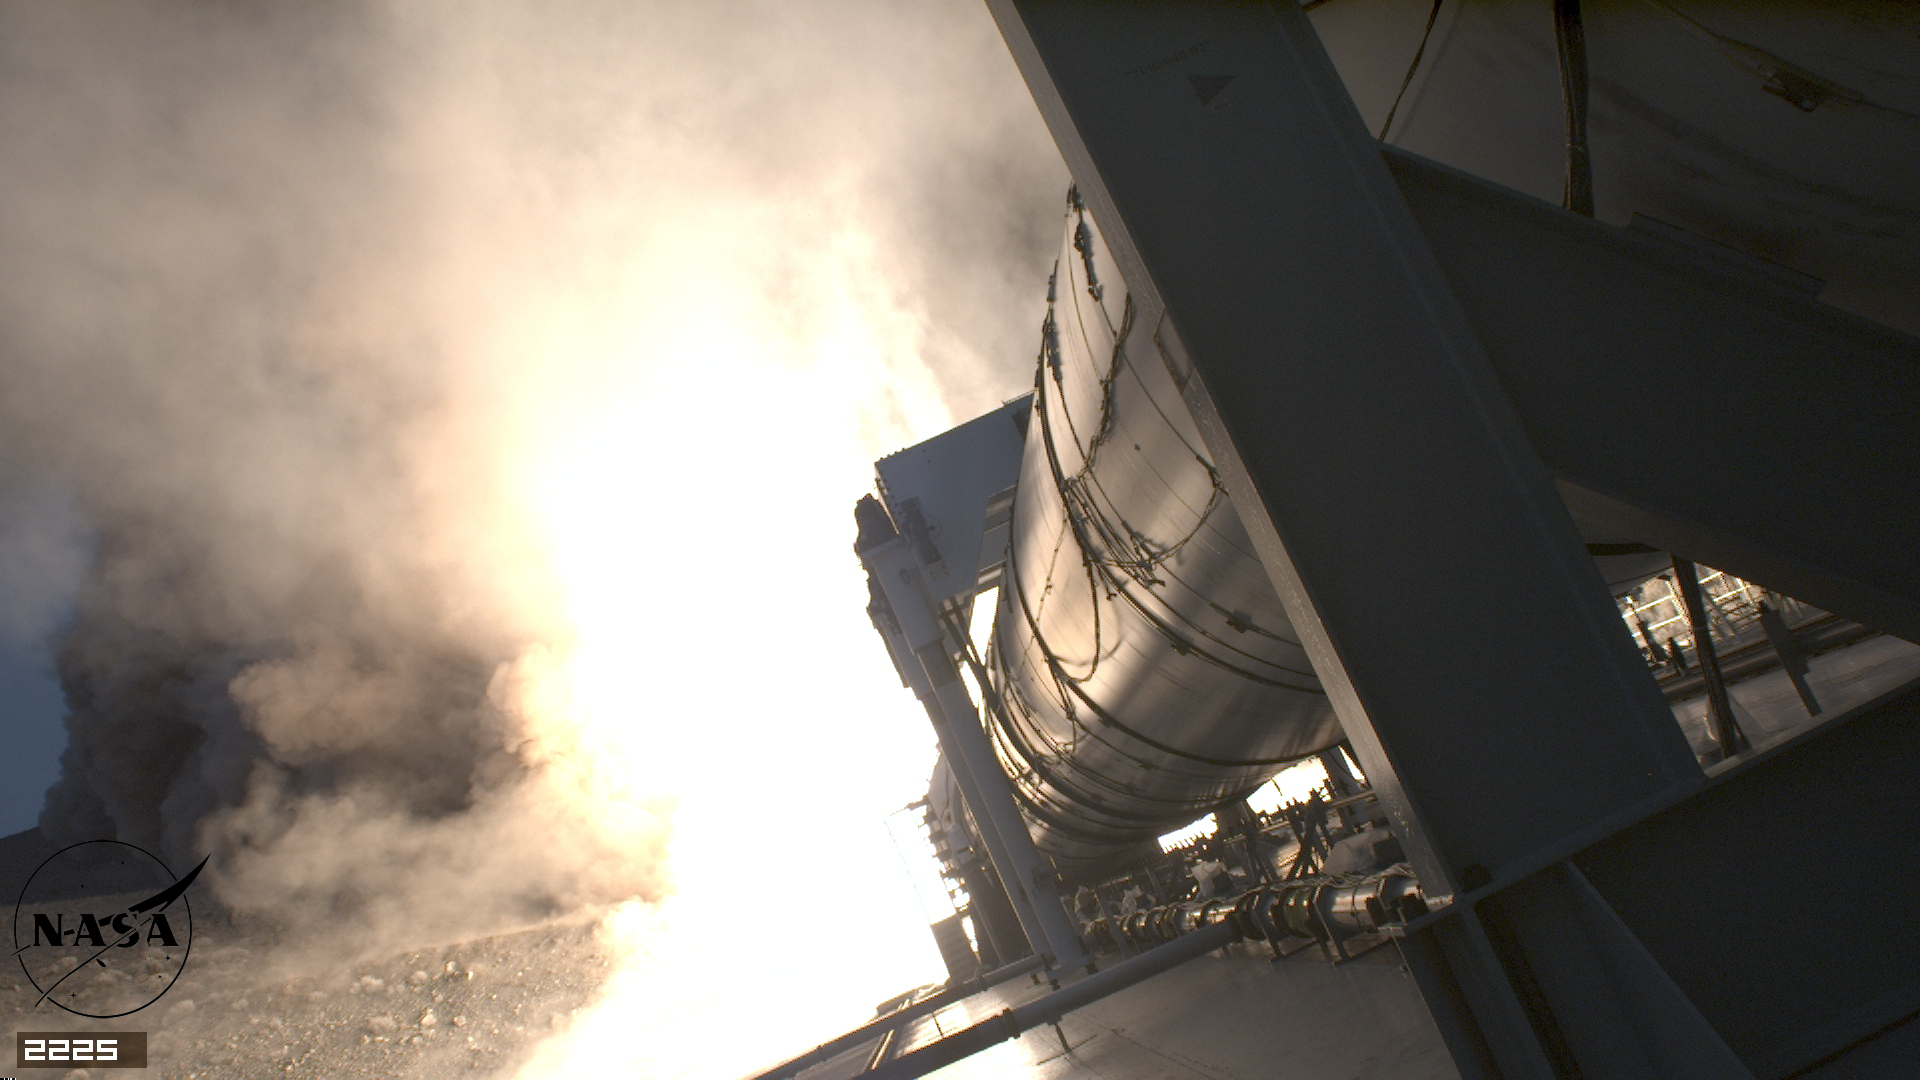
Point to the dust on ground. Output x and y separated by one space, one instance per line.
257 1000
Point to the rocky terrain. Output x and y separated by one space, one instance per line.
257 1001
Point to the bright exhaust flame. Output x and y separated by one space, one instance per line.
721 663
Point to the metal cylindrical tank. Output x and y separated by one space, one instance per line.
1147 669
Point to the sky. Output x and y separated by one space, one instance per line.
43 555
429 434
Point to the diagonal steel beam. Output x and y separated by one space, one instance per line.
1692 399
1474 657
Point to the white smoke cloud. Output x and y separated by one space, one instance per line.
304 302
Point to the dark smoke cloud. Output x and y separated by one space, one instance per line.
259 316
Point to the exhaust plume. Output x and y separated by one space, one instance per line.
337 325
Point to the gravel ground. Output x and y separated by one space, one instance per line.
249 1006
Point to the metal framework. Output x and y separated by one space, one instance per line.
1413 383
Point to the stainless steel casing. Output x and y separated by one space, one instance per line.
1148 671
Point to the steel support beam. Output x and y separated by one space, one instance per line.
1796 968
1692 399
1485 679
1726 728
920 652
894 1020
1050 1009
1543 980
